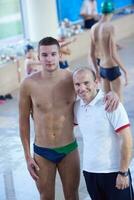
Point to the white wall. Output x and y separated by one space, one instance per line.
42 18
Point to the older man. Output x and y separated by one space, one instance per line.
107 141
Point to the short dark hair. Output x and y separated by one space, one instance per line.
28 47
48 41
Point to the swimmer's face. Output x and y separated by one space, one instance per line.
49 56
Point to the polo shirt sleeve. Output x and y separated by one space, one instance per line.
119 118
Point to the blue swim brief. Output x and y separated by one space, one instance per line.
110 73
55 154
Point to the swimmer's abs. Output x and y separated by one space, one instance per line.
53 138
53 121
57 131
55 127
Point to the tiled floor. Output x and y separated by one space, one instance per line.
15 181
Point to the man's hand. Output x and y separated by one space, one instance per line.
111 100
32 168
122 182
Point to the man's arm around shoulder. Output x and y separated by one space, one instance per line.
111 100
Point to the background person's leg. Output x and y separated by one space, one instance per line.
116 86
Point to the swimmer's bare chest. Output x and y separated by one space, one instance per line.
52 95
53 110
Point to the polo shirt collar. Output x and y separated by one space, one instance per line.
94 101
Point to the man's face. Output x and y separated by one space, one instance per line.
85 85
49 57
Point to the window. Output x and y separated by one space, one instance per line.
10 19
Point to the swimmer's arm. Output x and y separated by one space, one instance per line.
24 124
93 55
113 50
24 118
114 55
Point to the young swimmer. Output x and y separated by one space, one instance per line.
89 13
103 40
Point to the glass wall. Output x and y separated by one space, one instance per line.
10 19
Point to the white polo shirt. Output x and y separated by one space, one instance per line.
100 134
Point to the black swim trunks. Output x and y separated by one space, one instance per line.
110 73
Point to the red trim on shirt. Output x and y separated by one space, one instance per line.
122 127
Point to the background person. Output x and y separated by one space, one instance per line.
65 51
31 62
50 95
103 44
89 13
